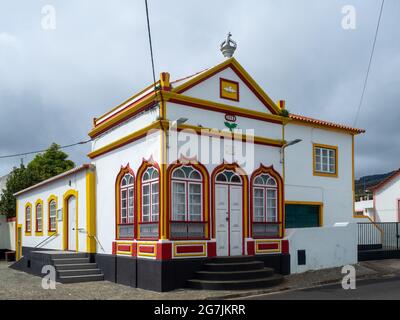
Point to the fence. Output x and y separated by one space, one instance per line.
382 235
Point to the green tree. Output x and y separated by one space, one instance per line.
44 166
49 164
19 178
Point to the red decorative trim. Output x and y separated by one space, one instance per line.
232 82
132 105
211 249
164 251
12 219
124 247
285 246
267 246
250 248
146 248
114 248
189 249
134 249
214 108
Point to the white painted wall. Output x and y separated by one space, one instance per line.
215 120
339 247
209 90
7 233
300 183
76 181
386 202
108 167
129 126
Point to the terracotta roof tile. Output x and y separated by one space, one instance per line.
325 123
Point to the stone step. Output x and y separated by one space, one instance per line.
77 272
232 259
234 275
81 278
235 266
235 284
70 261
77 266
68 255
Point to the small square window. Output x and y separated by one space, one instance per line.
325 160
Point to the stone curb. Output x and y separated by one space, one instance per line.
296 288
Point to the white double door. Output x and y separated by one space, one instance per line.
228 220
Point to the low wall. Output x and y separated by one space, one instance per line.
7 233
320 248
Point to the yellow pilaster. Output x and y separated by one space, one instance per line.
91 211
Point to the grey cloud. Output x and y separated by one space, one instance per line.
52 83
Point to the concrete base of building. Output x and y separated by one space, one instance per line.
149 274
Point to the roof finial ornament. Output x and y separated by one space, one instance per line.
228 46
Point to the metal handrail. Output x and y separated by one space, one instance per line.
52 235
97 240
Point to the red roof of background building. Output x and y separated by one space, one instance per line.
385 181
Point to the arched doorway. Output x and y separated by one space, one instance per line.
70 220
71 209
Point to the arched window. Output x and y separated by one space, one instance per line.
187 194
39 217
126 199
228 176
52 216
28 219
150 195
125 204
265 191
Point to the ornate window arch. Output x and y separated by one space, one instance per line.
125 204
266 202
188 189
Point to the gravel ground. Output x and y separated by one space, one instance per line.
19 285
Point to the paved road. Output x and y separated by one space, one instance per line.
381 289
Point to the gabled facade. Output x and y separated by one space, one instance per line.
191 169
385 203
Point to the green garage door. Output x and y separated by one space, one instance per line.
302 216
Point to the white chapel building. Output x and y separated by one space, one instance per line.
190 180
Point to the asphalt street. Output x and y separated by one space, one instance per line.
376 289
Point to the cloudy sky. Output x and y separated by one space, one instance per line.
53 82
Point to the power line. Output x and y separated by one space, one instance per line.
40 151
369 64
150 44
